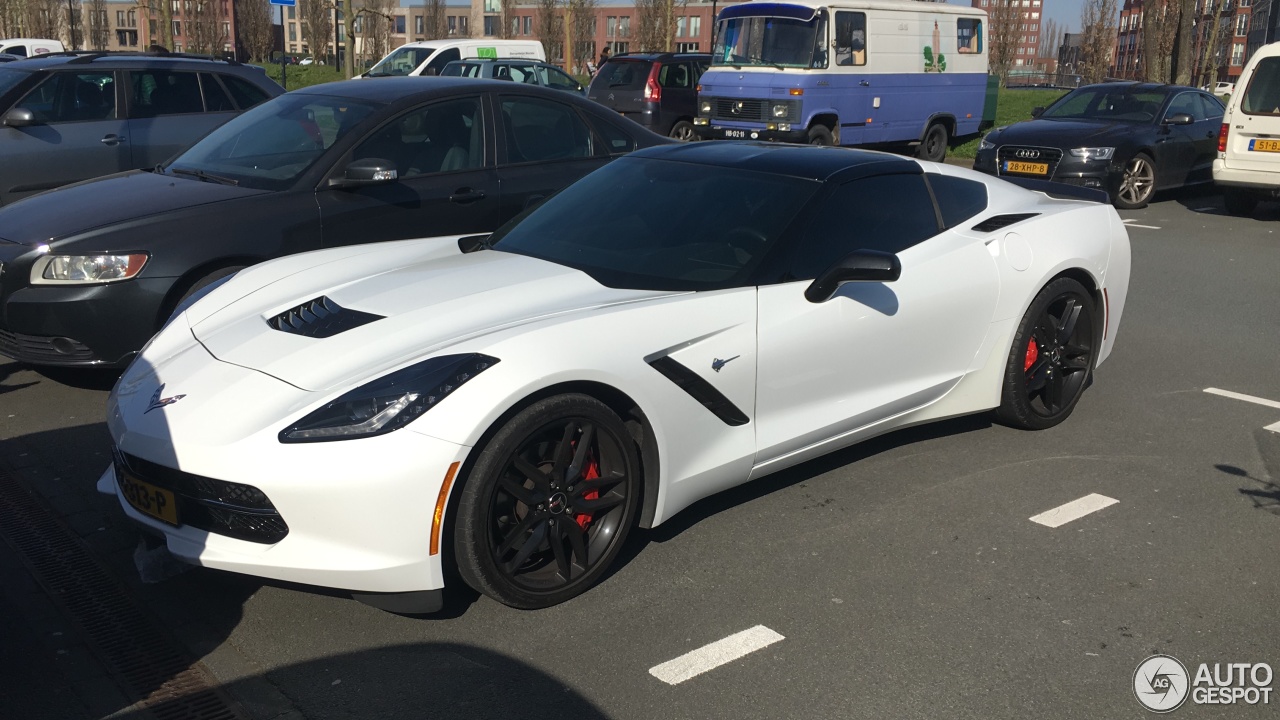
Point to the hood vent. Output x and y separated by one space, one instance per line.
320 318
996 222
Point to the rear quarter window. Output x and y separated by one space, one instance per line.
1262 97
958 199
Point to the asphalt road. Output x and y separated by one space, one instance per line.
904 575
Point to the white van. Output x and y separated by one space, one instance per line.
429 57
27 47
1248 165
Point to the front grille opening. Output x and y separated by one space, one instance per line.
998 222
320 318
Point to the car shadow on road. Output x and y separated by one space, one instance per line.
410 682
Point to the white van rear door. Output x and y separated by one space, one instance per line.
1253 140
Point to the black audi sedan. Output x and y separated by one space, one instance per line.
89 271
1129 139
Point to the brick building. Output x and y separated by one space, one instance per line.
1028 28
1232 19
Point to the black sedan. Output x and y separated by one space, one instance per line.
1130 139
88 272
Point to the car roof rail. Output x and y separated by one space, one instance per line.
83 57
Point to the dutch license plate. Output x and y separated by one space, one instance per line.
735 134
1013 166
147 498
1264 145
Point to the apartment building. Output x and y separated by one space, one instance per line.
1220 40
1028 21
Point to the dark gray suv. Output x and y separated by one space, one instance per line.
70 117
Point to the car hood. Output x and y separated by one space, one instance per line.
74 209
1064 133
428 295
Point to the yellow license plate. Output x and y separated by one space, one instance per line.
1265 145
148 499
1028 168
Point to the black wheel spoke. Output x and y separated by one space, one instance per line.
1038 374
599 504
599 485
518 491
1053 393
1070 315
576 541
527 469
536 538
516 535
581 453
1079 362
564 451
557 546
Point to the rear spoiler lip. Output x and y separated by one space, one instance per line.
1061 191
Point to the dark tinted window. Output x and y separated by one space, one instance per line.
437 138
9 79
538 130
215 98
245 93
1212 106
958 199
643 223
623 75
162 92
461 69
559 80
1187 102
72 97
889 213
444 58
19 50
1107 102
676 75
616 141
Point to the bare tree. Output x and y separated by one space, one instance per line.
12 17
1182 54
99 29
375 30
44 18
204 26
582 33
549 23
651 21
1003 19
435 22
253 18
1098 26
506 22
1159 36
317 26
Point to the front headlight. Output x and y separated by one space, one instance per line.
390 402
704 107
1098 153
780 110
83 269
986 144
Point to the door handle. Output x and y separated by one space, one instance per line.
112 140
465 195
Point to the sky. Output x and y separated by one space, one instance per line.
1065 12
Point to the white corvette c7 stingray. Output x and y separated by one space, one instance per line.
686 319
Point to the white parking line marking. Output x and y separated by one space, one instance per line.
1130 223
1073 510
712 656
1242 396
1273 427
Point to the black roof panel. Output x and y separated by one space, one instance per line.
807 161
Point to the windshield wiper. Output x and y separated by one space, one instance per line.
206 177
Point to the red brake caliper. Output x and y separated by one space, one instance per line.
1033 353
591 473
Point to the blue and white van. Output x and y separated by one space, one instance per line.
861 72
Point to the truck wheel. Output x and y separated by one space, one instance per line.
934 145
683 131
820 135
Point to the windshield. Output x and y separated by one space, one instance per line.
770 41
1119 104
9 79
401 62
650 224
270 146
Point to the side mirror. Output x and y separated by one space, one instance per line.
858 266
369 171
19 117
1179 119
1037 111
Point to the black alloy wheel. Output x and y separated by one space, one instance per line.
549 503
1052 357
684 131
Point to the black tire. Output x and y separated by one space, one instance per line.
821 135
933 147
1051 361
1137 183
683 131
521 536
1239 202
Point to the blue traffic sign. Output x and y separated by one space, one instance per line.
286 3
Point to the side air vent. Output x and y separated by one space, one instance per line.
320 318
700 390
997 222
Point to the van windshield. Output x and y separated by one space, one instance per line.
401 62
770 41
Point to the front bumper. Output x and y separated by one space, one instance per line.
716 130
1104 175
95 325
